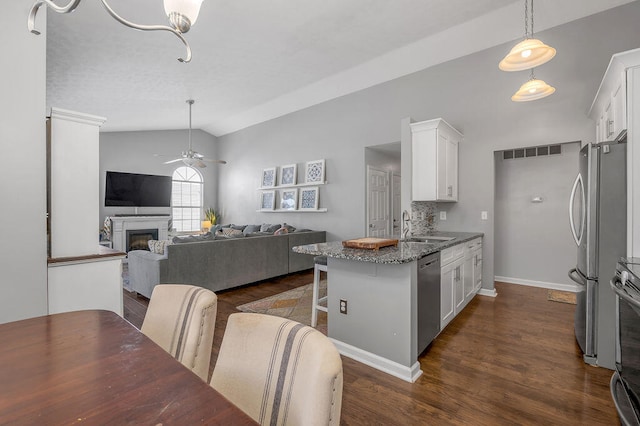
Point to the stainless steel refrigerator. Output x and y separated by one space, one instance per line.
598 220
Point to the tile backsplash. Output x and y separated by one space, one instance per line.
422 217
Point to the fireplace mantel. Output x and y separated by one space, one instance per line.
121 224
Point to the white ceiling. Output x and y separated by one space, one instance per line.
257 60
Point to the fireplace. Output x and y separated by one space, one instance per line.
138 239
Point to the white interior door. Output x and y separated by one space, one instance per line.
395 205
377 202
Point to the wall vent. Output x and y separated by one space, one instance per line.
537 151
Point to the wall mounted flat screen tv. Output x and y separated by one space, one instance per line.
137 190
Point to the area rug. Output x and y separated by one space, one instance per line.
292 304
561 296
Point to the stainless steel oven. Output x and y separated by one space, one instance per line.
625 383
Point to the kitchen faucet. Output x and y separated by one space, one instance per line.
405 224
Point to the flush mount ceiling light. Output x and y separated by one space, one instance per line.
182 15
530 52
532 90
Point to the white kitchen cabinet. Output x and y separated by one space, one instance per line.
609 108
472 268
434 145
460 278
451 292
451 283
477 269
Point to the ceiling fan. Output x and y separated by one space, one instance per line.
191 157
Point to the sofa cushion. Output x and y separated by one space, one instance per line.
179 239
158 246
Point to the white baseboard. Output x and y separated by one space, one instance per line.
408 374
487 292
532 283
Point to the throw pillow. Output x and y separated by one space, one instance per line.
281 231
238 227
250 229
231 233
289 227
158 246
264 227
273 228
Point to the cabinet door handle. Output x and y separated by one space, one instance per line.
609 128
450 191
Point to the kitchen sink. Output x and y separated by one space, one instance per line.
428 240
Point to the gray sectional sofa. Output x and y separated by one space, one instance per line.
221 263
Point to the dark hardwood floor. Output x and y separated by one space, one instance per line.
510 360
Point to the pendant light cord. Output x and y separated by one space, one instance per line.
528 30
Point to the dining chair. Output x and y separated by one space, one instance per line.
279 371
181 320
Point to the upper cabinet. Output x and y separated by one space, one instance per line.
609 108
434 145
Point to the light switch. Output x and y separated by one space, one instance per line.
484 215
443 215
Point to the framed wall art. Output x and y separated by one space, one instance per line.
288 174
267 200
314 171
309 198
269 178
288 199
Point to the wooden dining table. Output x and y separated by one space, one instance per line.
94 367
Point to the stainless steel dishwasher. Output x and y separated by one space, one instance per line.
428 300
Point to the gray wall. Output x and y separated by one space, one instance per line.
533 241
471 93
133 152
23 244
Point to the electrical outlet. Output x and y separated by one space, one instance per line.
484 215
343 306
443 215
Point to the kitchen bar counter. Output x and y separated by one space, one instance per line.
405 252
372 300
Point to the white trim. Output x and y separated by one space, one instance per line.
408 374
487 292
78 117
541 284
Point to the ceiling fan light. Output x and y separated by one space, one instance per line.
532 90
527 54
182 14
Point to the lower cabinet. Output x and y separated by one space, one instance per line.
451 290
460 278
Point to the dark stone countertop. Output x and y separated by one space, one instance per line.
405 252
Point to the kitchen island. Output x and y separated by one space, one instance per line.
379 291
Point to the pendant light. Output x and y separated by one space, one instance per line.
530 52
532 90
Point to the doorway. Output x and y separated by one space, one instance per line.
382 190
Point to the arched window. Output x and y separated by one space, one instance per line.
186 199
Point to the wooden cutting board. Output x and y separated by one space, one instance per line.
370 243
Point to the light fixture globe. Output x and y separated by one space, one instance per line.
527 54
182 14
532 90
